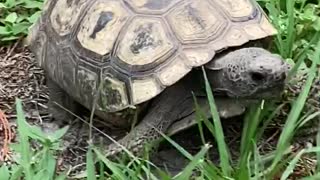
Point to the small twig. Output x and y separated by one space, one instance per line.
270 138
10 51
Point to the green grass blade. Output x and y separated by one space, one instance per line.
314 177
267 159
186 154
310 117
164 175
274 14
175 145
196 160
292 165
199 117
118 174
222 146
268 120
208 124
249 129
50 163
101 170
298 105
211 171
290 28
295 160
16 173
257 164
90 165
302 55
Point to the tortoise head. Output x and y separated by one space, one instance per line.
252 73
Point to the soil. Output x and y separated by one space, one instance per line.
20 77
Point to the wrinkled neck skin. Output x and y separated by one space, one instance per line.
248 73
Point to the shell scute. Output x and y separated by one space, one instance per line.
145 44
128 51
112 92
65 15
101 26
197 22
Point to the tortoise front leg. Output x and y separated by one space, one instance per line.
174 103
60 102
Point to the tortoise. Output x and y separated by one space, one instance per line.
143 60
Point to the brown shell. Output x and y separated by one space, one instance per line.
125 52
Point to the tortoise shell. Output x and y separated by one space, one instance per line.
120 53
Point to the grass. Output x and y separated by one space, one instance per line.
298 41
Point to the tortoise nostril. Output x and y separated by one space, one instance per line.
282 76
257 76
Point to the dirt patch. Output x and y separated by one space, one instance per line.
20 78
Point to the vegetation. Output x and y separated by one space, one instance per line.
16 16
298 23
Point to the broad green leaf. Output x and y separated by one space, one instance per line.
20 28
55 136
12 17
316 24
36 133
2 6
22 17
4 31
33 4
34 17
24 140
309 12
13 3
9 38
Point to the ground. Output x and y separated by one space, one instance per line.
21 77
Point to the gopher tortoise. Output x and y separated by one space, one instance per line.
141 60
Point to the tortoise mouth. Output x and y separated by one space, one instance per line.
267 93
270 92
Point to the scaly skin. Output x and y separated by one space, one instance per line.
161 115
